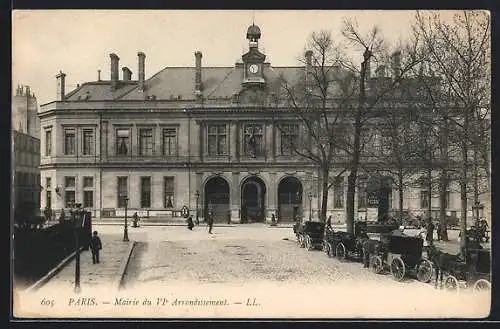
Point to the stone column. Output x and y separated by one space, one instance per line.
235 198
234 140
158 136
270 141
272 204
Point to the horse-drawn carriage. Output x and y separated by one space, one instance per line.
402 255
469 269
309 234
344 245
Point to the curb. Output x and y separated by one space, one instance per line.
40 283
123 267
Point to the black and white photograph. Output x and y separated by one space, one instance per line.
267 164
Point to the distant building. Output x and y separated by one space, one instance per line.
25 152
25 112
25 175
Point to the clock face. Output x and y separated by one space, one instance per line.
253 68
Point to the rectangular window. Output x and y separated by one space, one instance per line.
146 141
424 199
88 182
168 195
48 183
69 191
362 194
338 192
88 192
289 135
169 141
88 142
122 191
217 140
145 192
88 199
48 142
122 141
69 142
48 201
253 140
69 182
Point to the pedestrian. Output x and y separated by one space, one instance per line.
190 223
95 247
439 231
197 220
135 220
210 222
62 216
229 217
429 231
273 220
329 221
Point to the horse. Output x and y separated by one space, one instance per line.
443 263
370 247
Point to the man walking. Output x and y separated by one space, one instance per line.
430 231
95 246
210 222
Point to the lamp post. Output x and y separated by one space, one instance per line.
77 222
125 228
310 196
197 196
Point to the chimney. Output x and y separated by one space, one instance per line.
98 75
396 64
60 86
198 55
114 71
127 74
142 60
380 71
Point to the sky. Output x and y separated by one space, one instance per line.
78 42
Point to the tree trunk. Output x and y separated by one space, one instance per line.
429 196
401 196
463 180
324 199
443 183
351 187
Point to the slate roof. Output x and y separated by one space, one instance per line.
178 83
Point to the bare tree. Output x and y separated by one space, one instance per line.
459 54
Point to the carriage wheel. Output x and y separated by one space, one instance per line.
301 241
424 271
398 269
331 250
451 284
308 243
482 285
340 251
376 264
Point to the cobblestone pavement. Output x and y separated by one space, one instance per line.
251 271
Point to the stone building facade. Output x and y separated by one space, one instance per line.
204 138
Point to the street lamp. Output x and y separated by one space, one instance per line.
310 196
197 196
77 222
125 228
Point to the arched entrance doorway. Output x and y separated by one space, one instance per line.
289 199
217 198
253 191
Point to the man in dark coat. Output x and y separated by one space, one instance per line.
190 223
210 222
95 247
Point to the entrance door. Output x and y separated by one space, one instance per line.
289 199
217 198
253 192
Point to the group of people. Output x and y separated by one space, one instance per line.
210 222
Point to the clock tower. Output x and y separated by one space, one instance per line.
253 60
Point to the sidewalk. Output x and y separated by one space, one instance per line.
106 274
